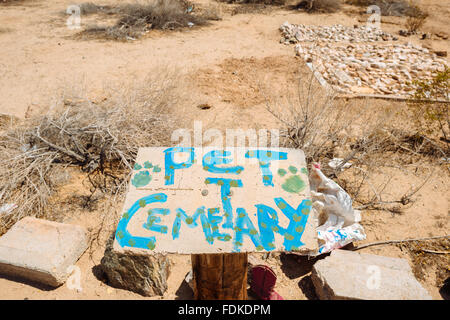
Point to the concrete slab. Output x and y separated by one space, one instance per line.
353 275
41 250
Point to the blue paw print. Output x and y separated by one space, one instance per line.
143 178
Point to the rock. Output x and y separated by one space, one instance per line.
363 63
442 53
42 251
442 35
385 90
335 33
378 65
403 33
144 273
352 275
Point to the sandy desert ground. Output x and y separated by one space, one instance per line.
221 65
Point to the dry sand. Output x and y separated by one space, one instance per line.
223 62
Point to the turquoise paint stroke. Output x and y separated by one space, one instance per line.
214 219
124 238
268 224
191 222
225 195
297 222
216 157
265 157
169 162
244 226
152 220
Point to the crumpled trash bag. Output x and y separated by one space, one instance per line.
338 221
336 162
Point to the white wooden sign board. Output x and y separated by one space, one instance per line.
206 200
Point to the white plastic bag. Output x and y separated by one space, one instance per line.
334 209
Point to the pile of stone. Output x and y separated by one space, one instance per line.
387 69
301 33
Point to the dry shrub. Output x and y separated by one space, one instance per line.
253 6
11 2
316 123
162 14
326 128
414 23
136 19
87 8
429 256
390 7
430 108
102 139
256 2
320 6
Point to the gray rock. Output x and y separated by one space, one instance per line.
144 273
353 275
41 251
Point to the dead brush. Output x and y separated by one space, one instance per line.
429 107
316 123
256 2
134 20
398 8
325 128
415 22
11 2
428 257
101 139
87 8
319 6
252 6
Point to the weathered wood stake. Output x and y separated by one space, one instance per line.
220 276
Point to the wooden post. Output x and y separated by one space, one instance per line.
220 276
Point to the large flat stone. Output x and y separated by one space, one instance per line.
41 251
353 275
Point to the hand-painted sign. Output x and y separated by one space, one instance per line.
190 200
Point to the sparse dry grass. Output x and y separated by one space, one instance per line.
101 139
136 19
327 128
413 24
260 2
87 8
432 117
323 127
253 6
390 7
8 2
430 256
320 6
